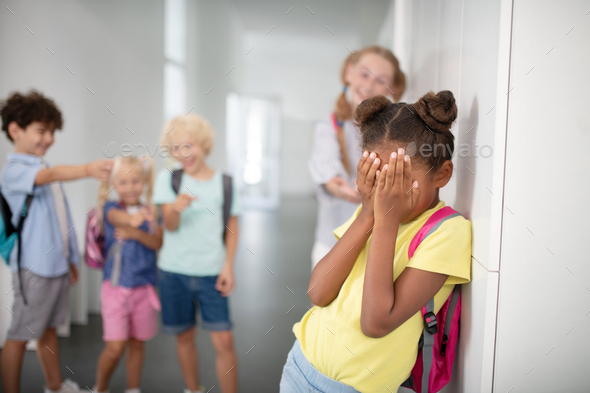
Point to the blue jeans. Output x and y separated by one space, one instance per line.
300 376
182 295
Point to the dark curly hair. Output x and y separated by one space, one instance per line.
426 123
27 108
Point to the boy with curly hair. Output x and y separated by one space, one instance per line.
49 254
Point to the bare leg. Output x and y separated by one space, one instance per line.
48 354
134 363
226 361
107 363
11 365
188 358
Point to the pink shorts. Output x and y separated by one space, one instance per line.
129 312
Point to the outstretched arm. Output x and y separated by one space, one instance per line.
99 169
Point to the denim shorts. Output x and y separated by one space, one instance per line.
300 376
181 296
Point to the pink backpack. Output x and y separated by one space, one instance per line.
95 244
436 349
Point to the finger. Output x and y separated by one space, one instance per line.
391 170
367 166
382 179
361 162
407 172
371 175
399 169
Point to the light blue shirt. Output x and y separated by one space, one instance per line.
196 247
42 245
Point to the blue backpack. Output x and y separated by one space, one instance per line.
9 234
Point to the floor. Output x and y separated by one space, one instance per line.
272 273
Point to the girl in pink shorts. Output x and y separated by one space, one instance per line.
129 303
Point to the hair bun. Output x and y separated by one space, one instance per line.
369 109
437 110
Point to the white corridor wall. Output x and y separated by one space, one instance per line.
115 58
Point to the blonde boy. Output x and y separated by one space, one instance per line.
197 258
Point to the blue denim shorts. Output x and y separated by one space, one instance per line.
300 376
181 296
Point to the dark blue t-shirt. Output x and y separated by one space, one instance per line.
138 263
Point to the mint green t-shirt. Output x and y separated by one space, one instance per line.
196 247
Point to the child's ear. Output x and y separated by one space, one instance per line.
444 174
13 129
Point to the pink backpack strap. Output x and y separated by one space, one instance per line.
334 122
430 321
431 225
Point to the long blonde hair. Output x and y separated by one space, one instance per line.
343 110
146 165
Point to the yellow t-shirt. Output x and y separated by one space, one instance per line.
331 337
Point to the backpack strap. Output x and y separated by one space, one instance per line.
6 216
430 322
227 201
449 318
335 123
431 225
19 230
176 179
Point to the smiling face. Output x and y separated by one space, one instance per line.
128 182
370 76
34 139
187 150
429 179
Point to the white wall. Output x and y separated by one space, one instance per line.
214 47
113 48
299 62
542 341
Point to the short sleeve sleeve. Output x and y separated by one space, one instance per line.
236 207
108 206
19 177
163 192
325 162
447 251
341 230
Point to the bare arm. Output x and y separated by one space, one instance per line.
386 305
231 240
153 242
99 169
119 218
331 272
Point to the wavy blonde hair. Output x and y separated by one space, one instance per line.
193 125
146 165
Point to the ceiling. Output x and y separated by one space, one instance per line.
319 19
